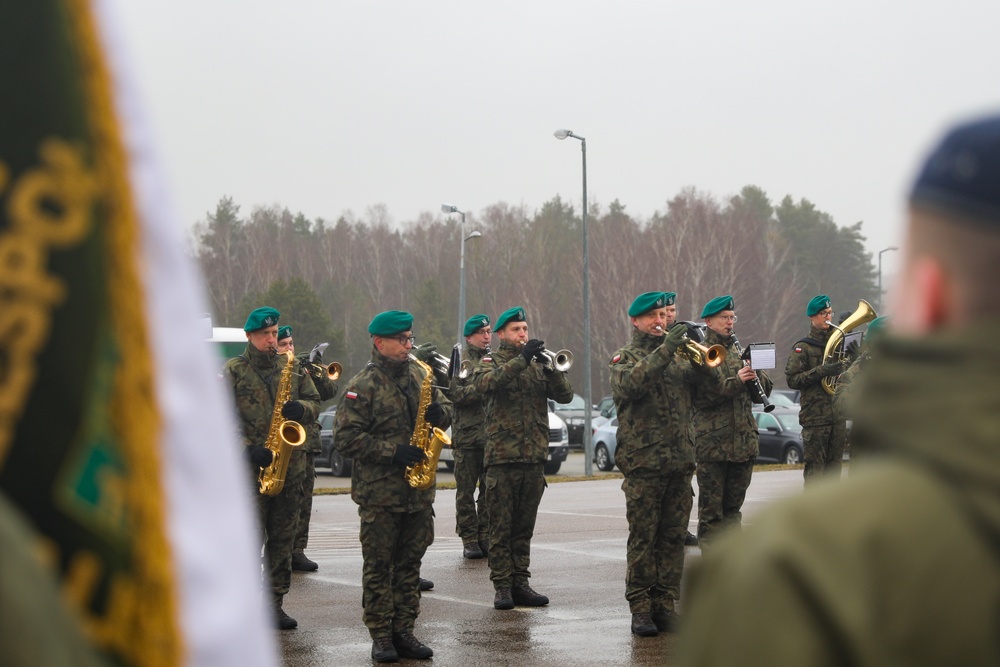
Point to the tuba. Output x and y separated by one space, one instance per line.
834 350
283 437
428 438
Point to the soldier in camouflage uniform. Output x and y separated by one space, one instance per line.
469 439
327 389
823 432
651 387
254 377
374 424
726 439
515 392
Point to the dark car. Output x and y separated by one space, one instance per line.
780 435
329 457
572 414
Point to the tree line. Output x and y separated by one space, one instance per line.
328 278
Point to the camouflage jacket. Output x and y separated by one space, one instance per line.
652 392
327 389
725 429
254 378
468 430
377 412
842 397
803 372
516 408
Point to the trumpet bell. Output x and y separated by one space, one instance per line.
334 370
561 361
710 357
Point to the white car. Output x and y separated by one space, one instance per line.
558 447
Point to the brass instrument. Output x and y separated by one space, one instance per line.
696 353
834 350
283 436
465 370
560 361
428 438
332 370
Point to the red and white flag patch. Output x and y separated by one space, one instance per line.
353 395
487 358
798 349
616 358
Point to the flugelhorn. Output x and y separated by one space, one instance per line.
698 354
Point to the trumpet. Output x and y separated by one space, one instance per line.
560 361
331 370
698 354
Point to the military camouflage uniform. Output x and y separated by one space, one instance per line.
327 389
823 432
468 438
377 412
254 376
651 390
726 441
517 444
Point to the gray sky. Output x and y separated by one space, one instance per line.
326 106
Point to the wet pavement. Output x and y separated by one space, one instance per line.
577 559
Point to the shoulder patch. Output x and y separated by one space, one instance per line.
353 395
798 349
487 358
615 359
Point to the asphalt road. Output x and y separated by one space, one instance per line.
578 560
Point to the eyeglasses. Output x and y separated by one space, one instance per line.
728 318
403 340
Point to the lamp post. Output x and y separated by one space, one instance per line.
892 247
448 208
588 445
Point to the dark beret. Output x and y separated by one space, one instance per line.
717 305
647 301
817 304
261 318
390 322
284 332
515 314
475 323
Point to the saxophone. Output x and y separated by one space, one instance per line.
283 436
430 439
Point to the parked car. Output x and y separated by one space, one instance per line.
572 414
791 394
780 435
780 399
329 457
605 444
604 412
558 447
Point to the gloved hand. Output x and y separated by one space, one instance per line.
532 348
435 414
834 367
425 352
293 410
259 455
852 350
674 339
408 455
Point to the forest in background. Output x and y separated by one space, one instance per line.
329 278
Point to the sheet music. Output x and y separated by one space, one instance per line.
762 356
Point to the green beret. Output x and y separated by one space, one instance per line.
390 322
475 323
284 332
647 301
817 304
261 318
515 314
717 305
877 327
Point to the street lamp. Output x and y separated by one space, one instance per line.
588 445
448 208
892 247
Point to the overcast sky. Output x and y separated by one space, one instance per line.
325 106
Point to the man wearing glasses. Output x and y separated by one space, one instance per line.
823 432
374 423
726 440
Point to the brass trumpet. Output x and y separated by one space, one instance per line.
696 353
560 361
331 370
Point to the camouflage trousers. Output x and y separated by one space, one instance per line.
658 508
278 519
513 493
471 523
392 545
722 488
824 449
305 496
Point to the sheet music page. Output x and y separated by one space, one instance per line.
762 356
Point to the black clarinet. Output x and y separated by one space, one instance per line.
753 386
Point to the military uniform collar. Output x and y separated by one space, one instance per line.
819 334
392 367
644 340
474 353
713 337
262 360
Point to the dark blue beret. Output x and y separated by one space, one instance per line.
962 174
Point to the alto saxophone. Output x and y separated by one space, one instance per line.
283 436
428 438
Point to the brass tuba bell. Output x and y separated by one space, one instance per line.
834 350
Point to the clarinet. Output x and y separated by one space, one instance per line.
753 386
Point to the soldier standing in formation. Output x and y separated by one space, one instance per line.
327 389
823 432
650 384
254 377
726 439
515 392
469 440
896 565
374 425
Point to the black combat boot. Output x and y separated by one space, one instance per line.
283 621
690 540
526 597
426 584
301 563
643 625
383 650
666 621
472 551
503 600
409 646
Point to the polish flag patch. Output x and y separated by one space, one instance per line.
798 349
615 359
487 358
353 395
